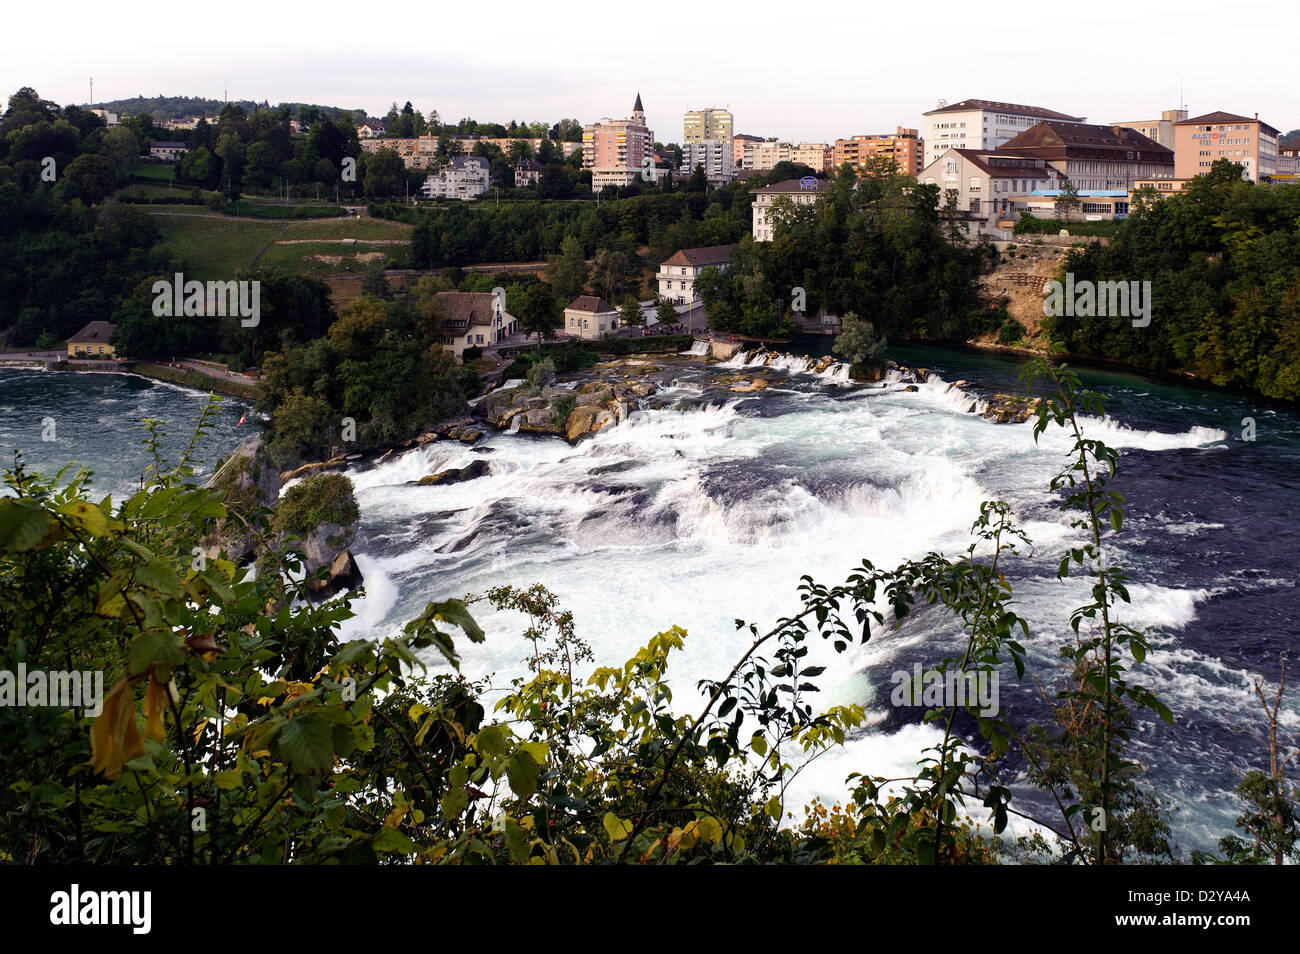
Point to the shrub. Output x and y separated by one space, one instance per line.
1011 332
326 498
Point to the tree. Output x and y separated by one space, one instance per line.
613 268
538 312
629 312
666 311
857 342
1067 201
385 173
90 178
567 271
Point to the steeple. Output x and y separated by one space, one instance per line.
638 113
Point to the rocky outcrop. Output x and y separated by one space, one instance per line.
618 388
455 475
344 574
249 482
758 384
1011 408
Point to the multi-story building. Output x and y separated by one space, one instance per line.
700 125
371 129
986 181
766 155
1288 158
902 146
528 172
677 275
464 177
714 155
981 124
806 191
474 320
1201 140
617 152
1159 130
738 143
1093 157
110 118
421 152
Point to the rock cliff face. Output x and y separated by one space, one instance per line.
250 482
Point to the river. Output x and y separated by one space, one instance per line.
710 510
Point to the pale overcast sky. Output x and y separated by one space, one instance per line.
804 72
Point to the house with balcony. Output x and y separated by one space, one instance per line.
464 178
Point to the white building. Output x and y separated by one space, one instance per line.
474 320
981 124
168 151
985 183
464 177
714 155
590 316
371 129
700 125
677 275
805 191
110 118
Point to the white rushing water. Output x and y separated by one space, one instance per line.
702 516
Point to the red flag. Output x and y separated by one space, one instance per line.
241 419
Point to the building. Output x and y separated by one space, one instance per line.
168 151
701 125
986 183
1288 158
372 129
806 191
902 146
110 118
474 320
981 124
617 152
92 341
590 316
1093 157
738 143
464 177
1095 205
528 172
714 155
677 275
1159 130
765 155
1201 140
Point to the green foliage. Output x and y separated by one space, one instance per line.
317 500
1011 332
1224 265
857 342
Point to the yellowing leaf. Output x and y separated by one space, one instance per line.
156 698
615 827
114 735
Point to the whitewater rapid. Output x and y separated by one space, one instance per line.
710 510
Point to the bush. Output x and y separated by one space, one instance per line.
541 373
1011 332
472 353
326 498
562 408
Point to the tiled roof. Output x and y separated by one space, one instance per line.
97 332
468 308
1057 140
1219 116
1039 111
711 255
590 303
788 186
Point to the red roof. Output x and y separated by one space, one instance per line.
590 303
711 255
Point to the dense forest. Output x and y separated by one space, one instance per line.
1223 259
159 108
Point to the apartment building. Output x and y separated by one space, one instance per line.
981 124
1158 130
110 118
677 275
738 143
903 146
528 172
617 152
1201 140
762 155
714 155
805 191
464 178
701 125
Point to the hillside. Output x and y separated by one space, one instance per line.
178 107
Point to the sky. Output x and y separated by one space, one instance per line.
839 69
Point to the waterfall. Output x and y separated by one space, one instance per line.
699 349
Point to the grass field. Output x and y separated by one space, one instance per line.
334 257
212 246
356 228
